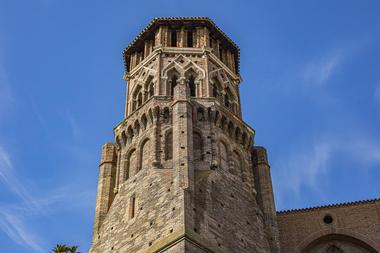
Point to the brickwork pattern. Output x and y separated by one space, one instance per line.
179 176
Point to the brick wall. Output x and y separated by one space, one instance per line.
352 227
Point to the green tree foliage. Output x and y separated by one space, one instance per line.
63 248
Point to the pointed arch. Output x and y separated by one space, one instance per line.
172 81
339 234
200 114
130 164
124 138
166 115
130 133
144 121
137 98
144 154
181 65
151 90
231 128
137 127
192 87
223 154
238 165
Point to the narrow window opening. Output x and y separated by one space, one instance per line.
227 100
189 38
192 86
214 91
133 207
151 90
139 100
173 84
173 38
133 105
221 54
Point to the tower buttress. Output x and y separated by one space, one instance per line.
263 182
106 184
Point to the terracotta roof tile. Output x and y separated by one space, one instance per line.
329 206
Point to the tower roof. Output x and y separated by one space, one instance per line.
148 31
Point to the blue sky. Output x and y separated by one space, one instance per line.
311 89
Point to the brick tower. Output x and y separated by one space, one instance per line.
182 174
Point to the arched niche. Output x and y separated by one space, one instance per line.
342 236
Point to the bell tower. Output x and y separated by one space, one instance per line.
183 174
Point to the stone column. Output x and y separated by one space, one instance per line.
126 97
156 142
199 34
158 86
146 48
181 37
182 137
265 199
118 168
206 88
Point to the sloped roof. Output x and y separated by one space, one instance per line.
352 203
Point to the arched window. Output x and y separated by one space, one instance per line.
223 153
130 166
169 145
227 100
151 89
197 147
173 38
221 53
144 155
214 90
166 115
192 86
139 99
200 114
173 84
334 249
134 102
144 121
238 168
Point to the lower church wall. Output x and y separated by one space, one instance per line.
351 228
158 214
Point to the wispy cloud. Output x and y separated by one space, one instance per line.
13 218
73 125
305 167
5 87
8 178
16 229
377 93
10 223
321 68
319 71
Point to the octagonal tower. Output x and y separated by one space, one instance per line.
182 174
